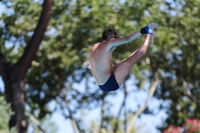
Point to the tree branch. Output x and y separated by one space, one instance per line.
75 126
142 108
74 123
121 107
103 108
188 93
36 122
30 51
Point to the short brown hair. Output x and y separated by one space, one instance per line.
109 33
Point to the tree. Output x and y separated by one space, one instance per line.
176 59
21 41
74 26
13 73
56 64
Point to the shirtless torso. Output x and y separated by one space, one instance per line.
100 61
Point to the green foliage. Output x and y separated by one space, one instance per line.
77 24
5 116
177 59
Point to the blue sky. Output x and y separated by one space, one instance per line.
139 97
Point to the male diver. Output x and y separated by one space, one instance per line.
108 77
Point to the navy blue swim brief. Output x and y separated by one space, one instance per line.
110 85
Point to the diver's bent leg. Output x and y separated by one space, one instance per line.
122 69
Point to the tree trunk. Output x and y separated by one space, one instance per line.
14 75
14 89
142 108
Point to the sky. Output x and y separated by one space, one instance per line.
149 121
